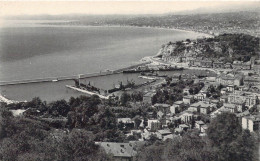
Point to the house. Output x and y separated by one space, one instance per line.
200 96
170 136
229 79
194 107
239 65
175 109
160 114
218 112
218 64
186 117
187 99
154 125
165 108
205 110
199 124
223 99
206 107
119 151
163 133
183 127
206 63
250 99
228 66
203 128
126 122
230 107
230 88
251 80
202 107
179 103
251 122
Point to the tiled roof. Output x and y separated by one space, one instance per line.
118 149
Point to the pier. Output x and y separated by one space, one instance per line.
62 78
87 92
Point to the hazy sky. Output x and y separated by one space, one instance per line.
111 7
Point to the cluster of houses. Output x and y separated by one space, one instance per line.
172 120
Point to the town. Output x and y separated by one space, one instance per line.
173 107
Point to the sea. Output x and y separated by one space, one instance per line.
33 49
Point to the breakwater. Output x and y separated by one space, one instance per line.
61 78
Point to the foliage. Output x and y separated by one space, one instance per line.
225 141
191 147
231 142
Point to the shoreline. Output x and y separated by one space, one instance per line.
67 24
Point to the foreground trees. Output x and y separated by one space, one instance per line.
26 139
88 119
225 141
232 143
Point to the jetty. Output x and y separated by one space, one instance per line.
62 78
87 92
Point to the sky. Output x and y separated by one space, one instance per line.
110 7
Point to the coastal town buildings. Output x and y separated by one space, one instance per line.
251 122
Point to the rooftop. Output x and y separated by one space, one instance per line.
118 149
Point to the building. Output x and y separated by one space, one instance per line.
251 122
202 107
230 107
206 63
119 151
203 128
239 65
154 125
165 108
175 109
218 64
199 124
229 79
183 127
230 88
200 96
218 112
250 99
126 122
228 66
187 99
186 117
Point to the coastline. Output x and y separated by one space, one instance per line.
154 27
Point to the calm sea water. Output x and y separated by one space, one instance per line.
29 50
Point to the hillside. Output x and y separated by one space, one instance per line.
228 47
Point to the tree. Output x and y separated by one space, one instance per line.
125 97
57 108
231 142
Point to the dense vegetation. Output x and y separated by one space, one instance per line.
225 140
173 91
64 130
226 48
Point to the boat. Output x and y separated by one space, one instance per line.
55 80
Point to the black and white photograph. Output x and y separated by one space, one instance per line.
130 80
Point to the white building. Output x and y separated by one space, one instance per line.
251 122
